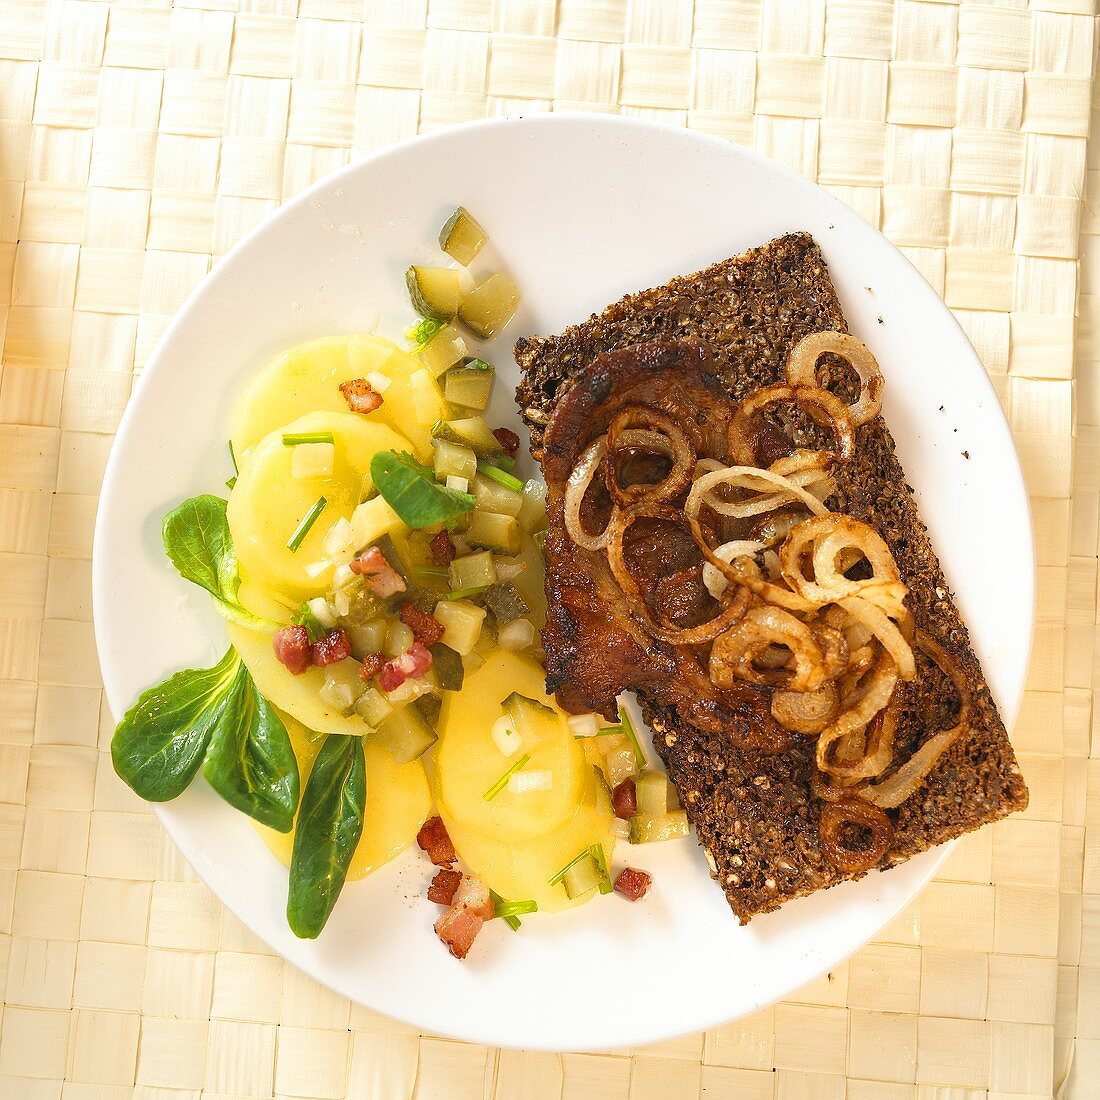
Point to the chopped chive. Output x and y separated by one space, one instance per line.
294 439
422 332
476 364
505 462
601 866
495 473
231 482
607 731
511 911
431 572
303 528
233 456
560 874
502 782
631 736
462 593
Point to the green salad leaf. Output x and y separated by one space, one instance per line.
160 743
217 715
330 823
199 544
410 489
250 761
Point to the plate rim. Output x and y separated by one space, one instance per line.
113 472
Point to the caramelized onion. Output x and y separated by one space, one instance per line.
885 631
616 558
823 406
736 654
854 812
898 787
773 490
802 369
675 445
575 489
806 712
861 703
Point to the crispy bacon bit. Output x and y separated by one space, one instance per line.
334 646
292 648
458 928
443 887
474 895
624 799
443 549
372 666
633 884
414 662
434 840
425 628
360 395
508 440
382 579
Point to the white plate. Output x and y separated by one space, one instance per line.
580 210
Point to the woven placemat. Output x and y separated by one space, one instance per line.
138 142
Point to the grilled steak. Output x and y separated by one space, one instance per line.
700 344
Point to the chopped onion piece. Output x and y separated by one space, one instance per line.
583 725
505 737
316 568
524 781
337 695
620 828
459 484
508 568
516 635
311 460
621 764
378 381
322 612
398 639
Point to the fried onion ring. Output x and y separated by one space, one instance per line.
736 654
678 447
802 369
853 811
580 478
821 404
807 712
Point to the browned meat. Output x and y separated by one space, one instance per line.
594 645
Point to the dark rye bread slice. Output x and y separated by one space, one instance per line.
754 813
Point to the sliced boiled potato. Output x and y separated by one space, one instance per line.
307 378
398 803
469 762
300 695
267 503
521 871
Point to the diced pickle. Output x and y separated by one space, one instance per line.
490 306
494 532
436 292
648 828
429 707
470 431
461 622
532 515
448 667
442 351
472 571
461 237
373 707
468 386
453 460
505 602
406 735
583 876
652 793
491 496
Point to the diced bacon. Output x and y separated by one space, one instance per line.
442 547
372 666
633 884
508 440
424 627
334 646
414 662
458 928
292 648
360 395
434 840
382 579
474 895
443 887
624 799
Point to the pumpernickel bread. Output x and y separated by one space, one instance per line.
754 811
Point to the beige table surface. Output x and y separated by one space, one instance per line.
138 141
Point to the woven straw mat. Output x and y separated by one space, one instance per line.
139 141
